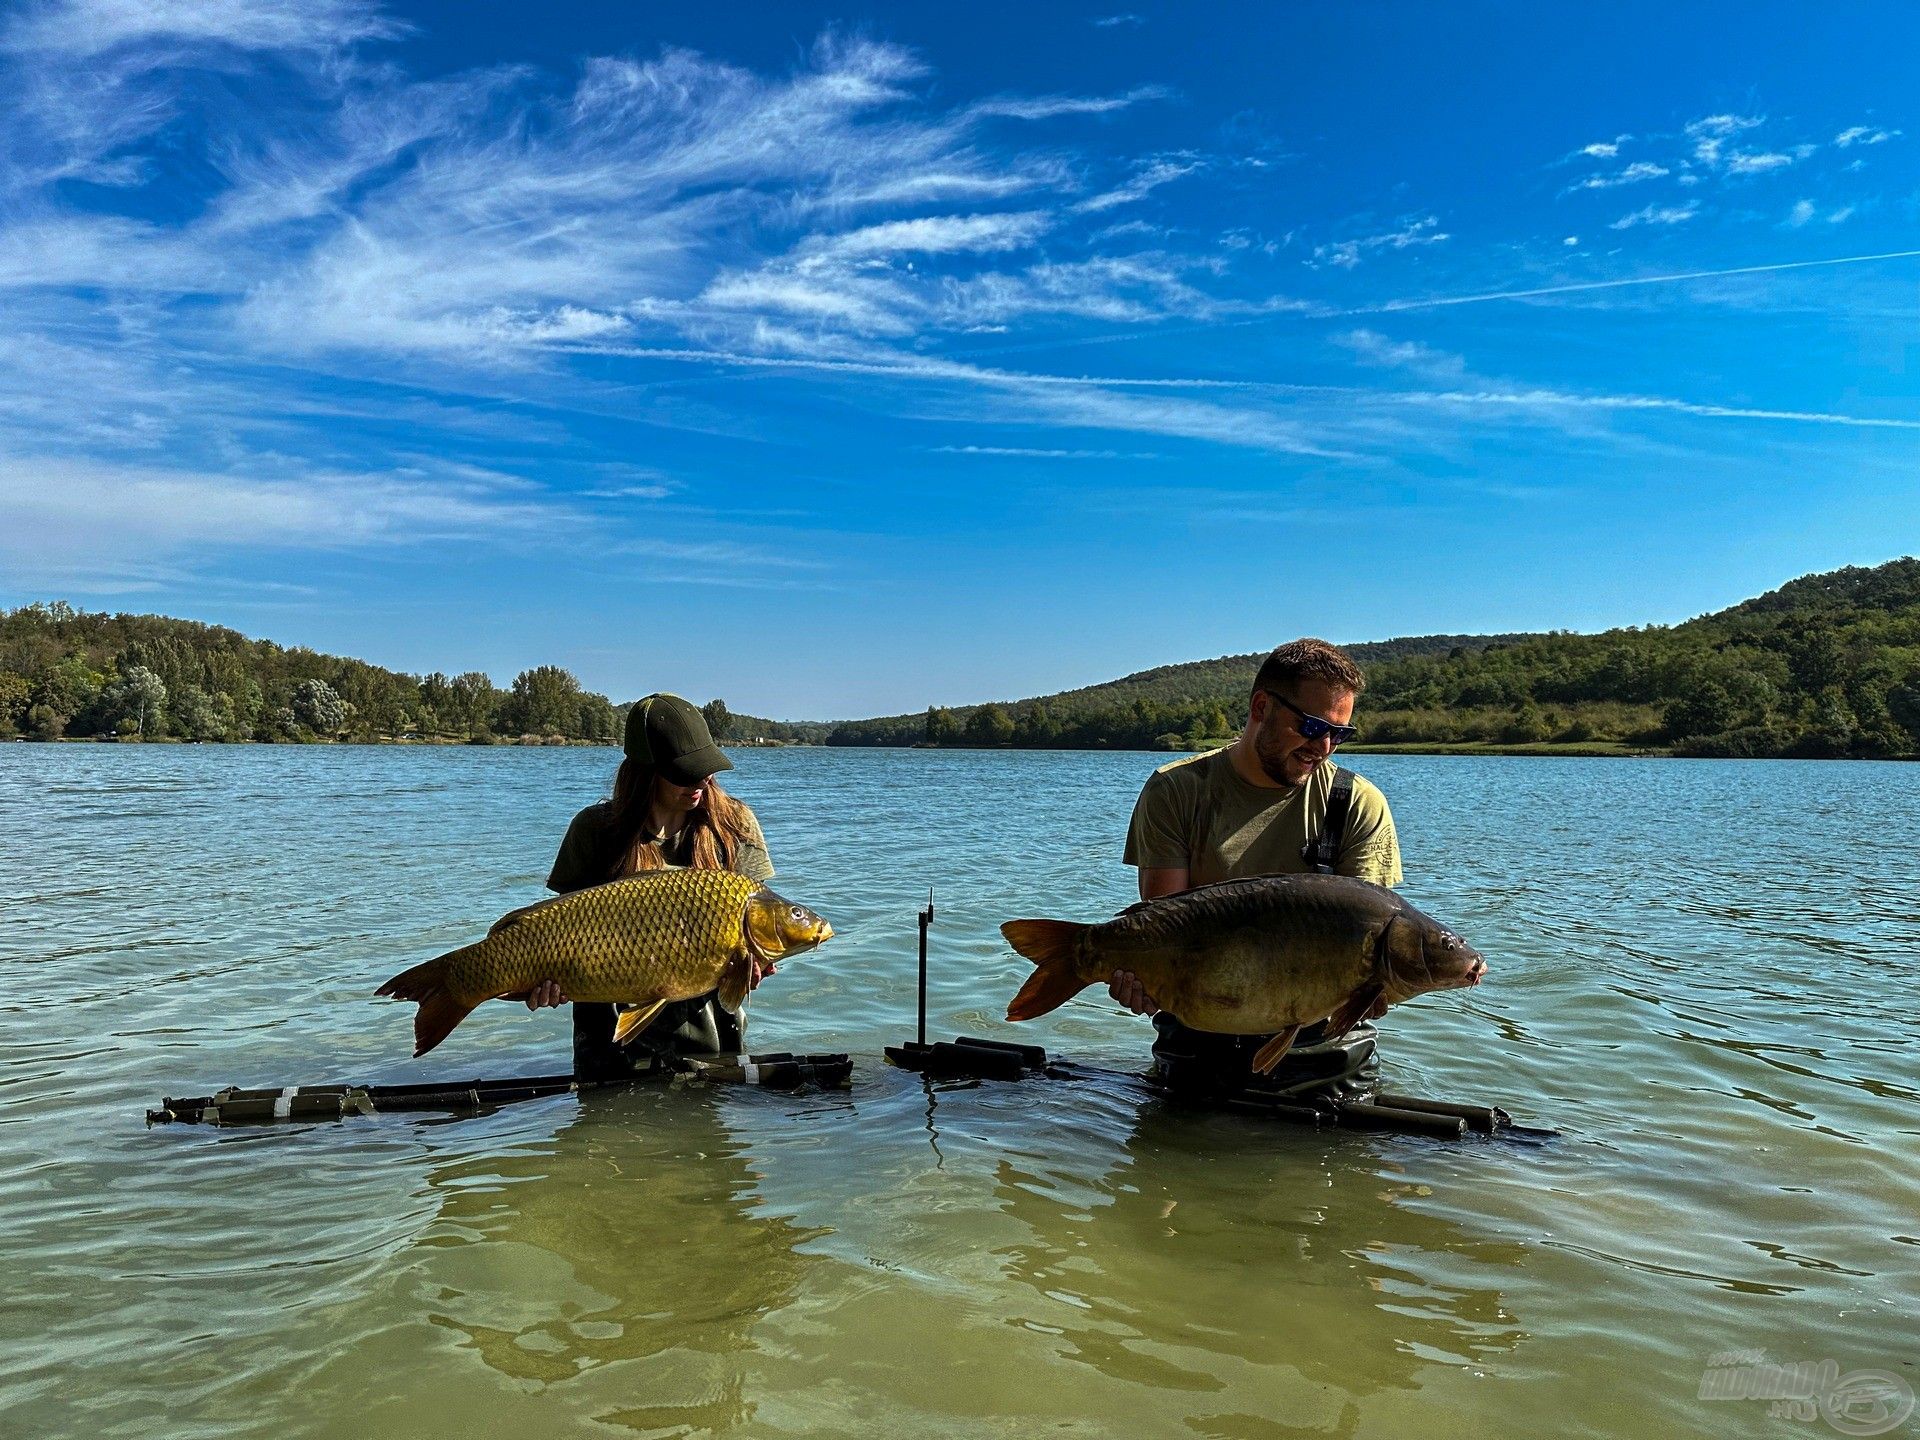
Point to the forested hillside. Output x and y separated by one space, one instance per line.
69 674
1131 711
1827 665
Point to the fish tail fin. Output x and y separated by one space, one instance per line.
439 1011
1053 946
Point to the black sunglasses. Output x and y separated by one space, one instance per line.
1312 727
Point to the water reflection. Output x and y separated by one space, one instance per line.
1217 1253
635 1242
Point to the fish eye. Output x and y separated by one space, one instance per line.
797 913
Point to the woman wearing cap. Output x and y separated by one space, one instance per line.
666 811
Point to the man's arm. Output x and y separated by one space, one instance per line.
1157 844
1156 881
1371 849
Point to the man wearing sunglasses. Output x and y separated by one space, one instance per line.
1261 806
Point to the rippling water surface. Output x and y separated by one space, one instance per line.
1703 976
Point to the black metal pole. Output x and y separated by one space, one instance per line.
926 919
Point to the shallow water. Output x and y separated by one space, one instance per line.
1702 976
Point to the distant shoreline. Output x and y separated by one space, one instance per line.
1584 750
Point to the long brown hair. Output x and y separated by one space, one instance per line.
719 824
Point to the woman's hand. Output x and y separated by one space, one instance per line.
1126 989
546 993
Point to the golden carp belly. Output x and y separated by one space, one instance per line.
661 935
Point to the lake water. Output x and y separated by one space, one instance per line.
1702 974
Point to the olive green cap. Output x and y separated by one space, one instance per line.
671 735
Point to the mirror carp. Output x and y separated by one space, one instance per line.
1250 957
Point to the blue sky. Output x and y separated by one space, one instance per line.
845 361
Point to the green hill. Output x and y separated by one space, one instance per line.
67 673
70 673
1197 686
1827 665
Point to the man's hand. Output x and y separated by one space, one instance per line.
546 993
1126 989
761 969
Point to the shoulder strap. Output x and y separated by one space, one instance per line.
1323 850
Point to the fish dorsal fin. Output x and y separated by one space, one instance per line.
514 917
1212 886
632 1022
735 981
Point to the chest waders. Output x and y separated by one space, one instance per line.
698 1027
1202 1065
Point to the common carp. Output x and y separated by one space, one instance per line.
642 941
1250 957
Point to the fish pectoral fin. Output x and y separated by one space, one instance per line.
735 981
1353 1010
631 1022
1271 1053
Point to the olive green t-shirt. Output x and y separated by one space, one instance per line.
1200 815
586 855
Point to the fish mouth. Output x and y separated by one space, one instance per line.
1476 971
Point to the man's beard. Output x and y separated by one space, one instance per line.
1273 758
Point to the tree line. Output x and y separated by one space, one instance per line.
66 673
1826 666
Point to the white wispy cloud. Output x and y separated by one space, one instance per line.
630 492
1348 253
1637 173
720 555
1377 349
1557 399
1750 162
1863 135
1598 150
1148 178
1583 287
108 518
1710 134
1049 107
89 28
1029 453
934 235
1658 215
1107 22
